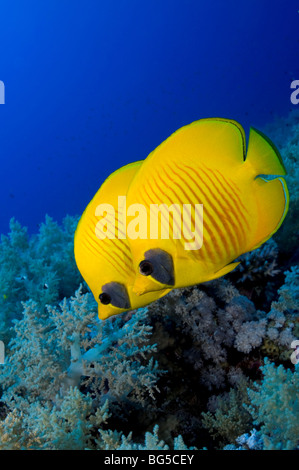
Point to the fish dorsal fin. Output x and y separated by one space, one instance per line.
118 182
114 186
217 142
170 175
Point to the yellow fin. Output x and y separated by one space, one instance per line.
220 143
124 174
116 184
263 156
272 205
227 269
192 277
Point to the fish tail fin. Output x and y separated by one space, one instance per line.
264 163
272 207
263 156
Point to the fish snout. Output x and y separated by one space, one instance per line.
138 291
139 287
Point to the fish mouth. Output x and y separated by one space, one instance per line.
138 291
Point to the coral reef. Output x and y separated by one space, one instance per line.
39 267
57 353
252 441
227 416
204 367
275 407
285 133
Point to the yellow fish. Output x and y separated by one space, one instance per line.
231 206
106 264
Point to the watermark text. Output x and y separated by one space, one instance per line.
2 93
295 94
176 221
295 354
2 352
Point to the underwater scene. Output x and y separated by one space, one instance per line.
149 257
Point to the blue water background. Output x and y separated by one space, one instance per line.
93 85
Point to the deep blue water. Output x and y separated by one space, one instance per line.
93 85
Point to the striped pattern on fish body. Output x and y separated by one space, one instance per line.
206 163
106 263
226 217
115 253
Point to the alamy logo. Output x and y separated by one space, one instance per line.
185 222
295 354
2 352
2 93
295 95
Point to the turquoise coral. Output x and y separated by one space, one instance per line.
275 407
170 376
39 267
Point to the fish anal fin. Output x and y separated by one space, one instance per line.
227 269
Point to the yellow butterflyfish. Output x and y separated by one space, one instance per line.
106 263
231 205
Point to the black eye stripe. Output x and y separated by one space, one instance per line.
162 267
115 294
105 298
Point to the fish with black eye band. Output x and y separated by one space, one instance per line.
243 198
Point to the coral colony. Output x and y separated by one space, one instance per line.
205 367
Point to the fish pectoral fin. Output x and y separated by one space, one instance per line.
227 269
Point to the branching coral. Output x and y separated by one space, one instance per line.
285 132
39 267
227 417
218 320
44 425
275 407
152 442
289 292
74 425
67 347
283 321
247 441
257 266
220 339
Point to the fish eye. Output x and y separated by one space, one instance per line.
159 264
105 298
145 267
